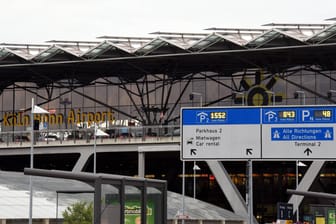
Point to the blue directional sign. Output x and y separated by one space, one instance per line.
219 133
304 132
290 132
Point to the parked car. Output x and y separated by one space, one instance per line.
49 137
21 138
175 132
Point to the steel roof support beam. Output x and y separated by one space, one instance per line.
165 109
306 182
229 189
179 99
147 98
312 194
325 97
133 102
101 103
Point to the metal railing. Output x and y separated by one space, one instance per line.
130 134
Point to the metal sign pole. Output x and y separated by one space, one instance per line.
183 191
296 188
194 169
31 162
34 110
250 192
94 149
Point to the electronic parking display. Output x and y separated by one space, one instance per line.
218 115
298 115
323 114
280 115
287 114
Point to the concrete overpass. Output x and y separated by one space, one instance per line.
149 144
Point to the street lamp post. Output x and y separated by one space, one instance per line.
183 190
97 132
94 149
298 163
31 162
195 168
65 102
243 96
330 92
34 110
191 97
300 93
296 187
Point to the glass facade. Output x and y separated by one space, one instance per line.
156 100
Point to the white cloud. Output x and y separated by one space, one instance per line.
40 20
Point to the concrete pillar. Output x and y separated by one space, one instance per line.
84 156
3 221
141 164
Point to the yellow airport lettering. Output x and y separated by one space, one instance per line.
21 119
55 119
71 117
6 121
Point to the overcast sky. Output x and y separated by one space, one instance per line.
35 21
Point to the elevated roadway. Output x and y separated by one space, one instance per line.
85 149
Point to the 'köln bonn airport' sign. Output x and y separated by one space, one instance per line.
235 133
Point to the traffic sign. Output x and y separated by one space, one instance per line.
291 132
298 132
209 133
284 211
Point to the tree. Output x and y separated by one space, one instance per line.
78 213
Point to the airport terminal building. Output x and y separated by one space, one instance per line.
133 88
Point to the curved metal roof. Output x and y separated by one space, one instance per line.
57 53
215 42
107 49
183 42
275 38
14 199
161 45
327 35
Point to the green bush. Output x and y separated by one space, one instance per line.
78 213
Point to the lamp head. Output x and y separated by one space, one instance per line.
296 95
329 94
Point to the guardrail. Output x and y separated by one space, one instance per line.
130 134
